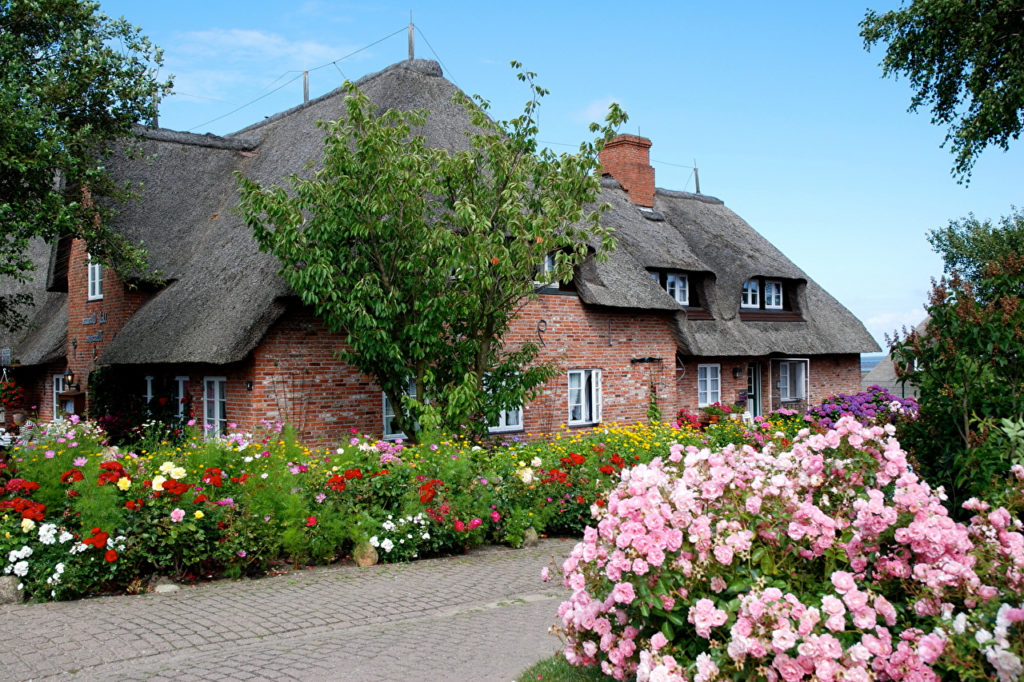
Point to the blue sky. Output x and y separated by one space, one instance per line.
785 114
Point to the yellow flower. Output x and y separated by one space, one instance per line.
27 525
124 483
199 514
158 482
165 467
178 473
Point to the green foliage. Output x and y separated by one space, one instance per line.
422 256
240 505
967 365
72 80
965 61
968 244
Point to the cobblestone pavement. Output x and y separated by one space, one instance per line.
482 616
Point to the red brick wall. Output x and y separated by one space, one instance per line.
627 159
93 324
580 337
828 375
294 375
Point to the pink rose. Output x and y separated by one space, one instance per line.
177 515
724 554
623 593
843 582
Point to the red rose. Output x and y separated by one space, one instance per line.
110 556
310 521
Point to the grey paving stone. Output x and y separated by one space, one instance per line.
483 616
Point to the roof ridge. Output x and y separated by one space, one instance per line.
195 139
427 67
678 194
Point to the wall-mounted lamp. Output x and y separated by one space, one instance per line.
736 372
248 385
69 381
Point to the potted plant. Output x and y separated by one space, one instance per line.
716 411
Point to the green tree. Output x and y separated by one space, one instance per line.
72 81
964 60
422 257
967 245
968 363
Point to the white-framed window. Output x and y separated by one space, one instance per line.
215 420
181 394
147 395
792 380
773 294
58 388
709 384
508 420
391 431
750 298
678 288
95 278
584 396
544 270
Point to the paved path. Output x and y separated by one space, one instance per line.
482 616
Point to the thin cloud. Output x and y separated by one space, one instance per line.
884 324
235 45
595 110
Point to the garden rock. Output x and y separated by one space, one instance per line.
163 585
9 592
530 538
364 555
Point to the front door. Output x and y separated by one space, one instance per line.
754 389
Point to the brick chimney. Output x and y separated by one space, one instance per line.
627 158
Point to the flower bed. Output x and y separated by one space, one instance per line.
78 516
829 559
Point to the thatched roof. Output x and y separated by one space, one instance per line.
44 337
220 295
698 234
223 293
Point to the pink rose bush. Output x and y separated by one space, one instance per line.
830 560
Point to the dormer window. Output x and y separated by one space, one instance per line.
95 277
676 286
751 296
675 283
549 263
763 299
773 294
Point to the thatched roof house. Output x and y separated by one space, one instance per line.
212 306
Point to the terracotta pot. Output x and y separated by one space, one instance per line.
713 418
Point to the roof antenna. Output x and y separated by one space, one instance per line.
412 47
